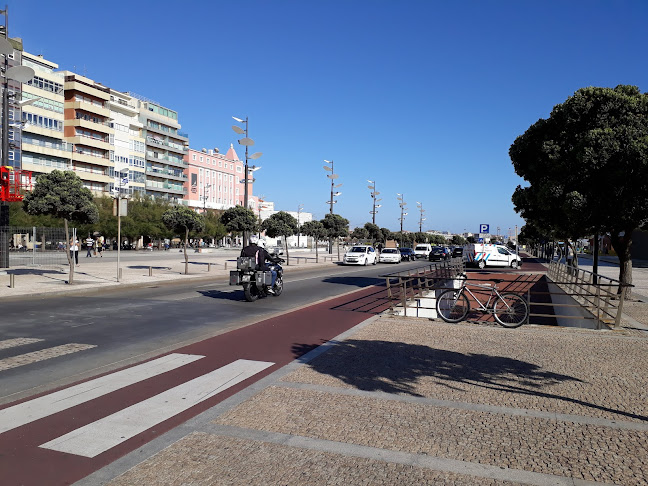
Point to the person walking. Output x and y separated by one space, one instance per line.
100 245
74 251
89 246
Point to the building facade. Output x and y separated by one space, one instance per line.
166 150
43 147
215 181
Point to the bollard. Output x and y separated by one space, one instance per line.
225 265
12 280
120 273
209 267
150 271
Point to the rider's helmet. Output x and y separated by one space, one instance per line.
254 240
262 243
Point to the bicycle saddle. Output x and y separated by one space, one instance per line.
496 280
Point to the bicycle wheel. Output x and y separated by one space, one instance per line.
452 306
510 310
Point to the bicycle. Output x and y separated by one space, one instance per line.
509 309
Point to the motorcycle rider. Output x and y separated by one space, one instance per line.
256 250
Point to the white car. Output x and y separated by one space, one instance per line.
390 255
360 255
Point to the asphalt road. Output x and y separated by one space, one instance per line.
126 326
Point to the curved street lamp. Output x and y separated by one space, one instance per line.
374 197
402 204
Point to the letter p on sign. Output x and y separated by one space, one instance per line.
483 228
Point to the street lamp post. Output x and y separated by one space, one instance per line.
421 218
402 205
205 190
374 197
299 210
21 74
246 142
334 194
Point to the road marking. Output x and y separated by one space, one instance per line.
47 405
43 354
11 343
102 435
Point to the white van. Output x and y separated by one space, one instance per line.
422 250
484 255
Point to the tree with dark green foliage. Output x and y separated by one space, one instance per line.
214 228
587 166
238 220
182 220
316 230
336 227
458 240
62 195
373 233
280 224
359 234
386 235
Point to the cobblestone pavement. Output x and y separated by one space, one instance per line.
413 401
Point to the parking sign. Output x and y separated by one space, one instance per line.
483 228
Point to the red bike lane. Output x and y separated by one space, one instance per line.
278 341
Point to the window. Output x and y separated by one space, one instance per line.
239 169
201 159
193 157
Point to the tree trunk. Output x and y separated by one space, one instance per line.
186 241
316 253
621 245
69 250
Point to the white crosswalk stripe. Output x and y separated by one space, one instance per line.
43 354
104 434
12 343
27 412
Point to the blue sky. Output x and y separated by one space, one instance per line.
425 97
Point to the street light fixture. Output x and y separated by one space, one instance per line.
332 201
246 142
402 205
205 191
375 199
421 218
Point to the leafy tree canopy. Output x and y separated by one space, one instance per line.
239 219
314 229
280 224
359 234
335 225
182 220
61 195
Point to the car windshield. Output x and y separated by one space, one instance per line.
359 249
437 248
421 247
389 250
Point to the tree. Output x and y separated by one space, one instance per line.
373 233
316 230
420 237
586 166
239 219
359 234
214 228
386 234
182 220
458 240
336 227
62 195
280 224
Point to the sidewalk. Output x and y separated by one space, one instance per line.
412 401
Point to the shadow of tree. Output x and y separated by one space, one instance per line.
36 271
393 367
356 281
141 267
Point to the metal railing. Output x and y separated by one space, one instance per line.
404 287
601 296
34 246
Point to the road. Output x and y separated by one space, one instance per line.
221 344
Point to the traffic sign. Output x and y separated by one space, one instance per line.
484 228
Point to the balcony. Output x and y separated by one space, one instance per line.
165 173
168 188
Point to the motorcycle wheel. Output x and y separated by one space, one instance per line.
278 287
251 293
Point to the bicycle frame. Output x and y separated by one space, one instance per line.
493 293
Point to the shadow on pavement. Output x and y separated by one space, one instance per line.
393 367
36 271
217 294
142 267
357 281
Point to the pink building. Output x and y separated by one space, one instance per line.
215 181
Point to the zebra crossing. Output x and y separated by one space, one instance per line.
36 356
110 431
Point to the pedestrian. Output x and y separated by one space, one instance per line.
89 246
74 250
100 245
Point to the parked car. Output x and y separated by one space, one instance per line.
360 255
407 254
439 253
457 252
390 255
422 250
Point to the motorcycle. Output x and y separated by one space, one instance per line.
256 282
